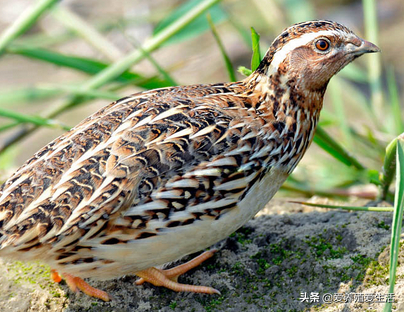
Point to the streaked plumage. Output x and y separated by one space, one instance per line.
165 173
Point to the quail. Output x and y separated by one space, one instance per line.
165 173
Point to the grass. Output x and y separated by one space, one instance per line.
24 22
355 155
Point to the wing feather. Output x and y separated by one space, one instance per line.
114 164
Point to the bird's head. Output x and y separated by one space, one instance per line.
312 52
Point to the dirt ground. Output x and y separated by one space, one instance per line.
288 252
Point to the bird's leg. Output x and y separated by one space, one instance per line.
76 283
168 278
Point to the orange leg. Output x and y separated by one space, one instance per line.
168 278
55 276
157 277
76 283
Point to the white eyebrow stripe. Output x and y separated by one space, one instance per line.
281 54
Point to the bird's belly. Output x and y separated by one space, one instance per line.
173 243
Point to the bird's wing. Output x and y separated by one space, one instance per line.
113 161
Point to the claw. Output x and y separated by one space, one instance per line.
168 278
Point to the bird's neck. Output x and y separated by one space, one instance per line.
284 91
290 113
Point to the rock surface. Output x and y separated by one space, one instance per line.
288 251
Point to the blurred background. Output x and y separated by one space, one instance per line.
62 60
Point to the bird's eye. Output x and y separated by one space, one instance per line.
322 44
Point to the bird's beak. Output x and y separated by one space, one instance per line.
368 47
364 47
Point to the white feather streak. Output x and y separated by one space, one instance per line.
211 205
139 209
203 131
170 112
183 183
281 55
225 161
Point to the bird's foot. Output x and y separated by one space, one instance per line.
76 283
168 278
55 276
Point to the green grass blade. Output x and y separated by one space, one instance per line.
309 191
24 22
229 65
88 66
352 208
374 59
150 45
244 71
397 219
332 147
38 121
196 27
389 168
160 69
87 32
256 57
396 110
83 64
